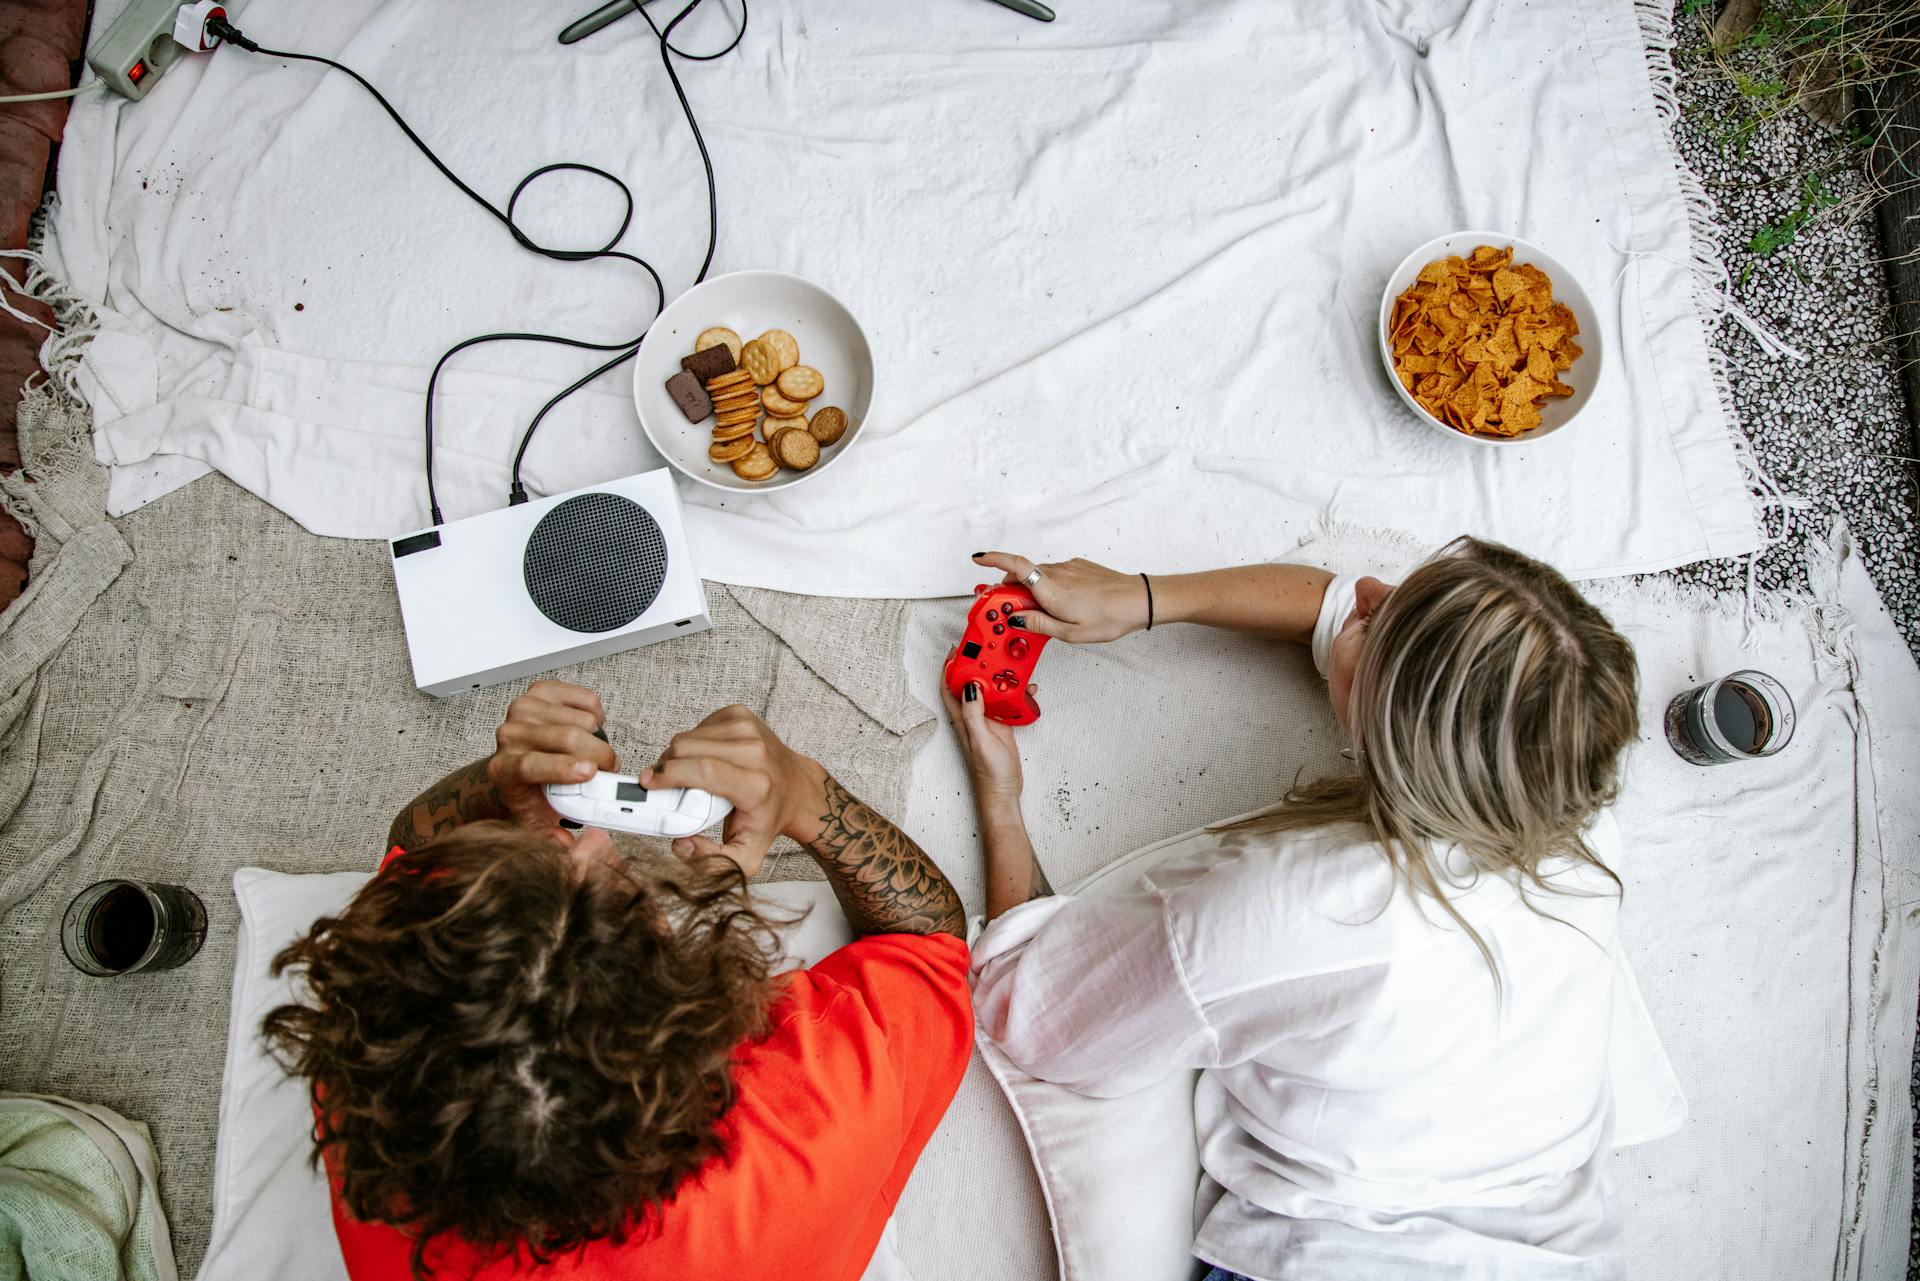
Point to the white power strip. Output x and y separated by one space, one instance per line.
148 37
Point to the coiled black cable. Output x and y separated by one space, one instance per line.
668 51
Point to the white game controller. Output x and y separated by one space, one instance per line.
618 802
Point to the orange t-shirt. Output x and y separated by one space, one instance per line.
832 1108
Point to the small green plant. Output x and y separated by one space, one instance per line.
1781 57
1816 197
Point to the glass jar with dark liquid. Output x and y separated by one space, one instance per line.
132 927
1740 717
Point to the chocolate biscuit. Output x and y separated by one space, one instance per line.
687 393
708 362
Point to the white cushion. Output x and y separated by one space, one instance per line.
1119 1175
271 1213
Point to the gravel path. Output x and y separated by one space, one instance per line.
1833 430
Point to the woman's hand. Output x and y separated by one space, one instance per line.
1080 602
993 760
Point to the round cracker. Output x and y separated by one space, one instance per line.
760 362
828 424
795 447
756 464
802 382
719 336
733 431
721 384
725 451
784 348
779 405
741 414
775 424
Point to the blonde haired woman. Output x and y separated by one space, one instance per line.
1400 981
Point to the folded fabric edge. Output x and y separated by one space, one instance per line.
894 707
1705 238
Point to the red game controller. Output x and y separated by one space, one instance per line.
998 655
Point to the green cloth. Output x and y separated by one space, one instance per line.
79 1197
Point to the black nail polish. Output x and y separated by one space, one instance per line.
978 555
1017 620
971 693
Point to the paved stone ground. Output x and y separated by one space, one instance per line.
1834 430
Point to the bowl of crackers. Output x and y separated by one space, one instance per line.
756 380
1489 338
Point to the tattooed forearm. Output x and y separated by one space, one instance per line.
464 796
886 883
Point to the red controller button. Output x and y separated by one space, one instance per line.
1017 647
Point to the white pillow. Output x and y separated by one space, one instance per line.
1119 1175
271 1213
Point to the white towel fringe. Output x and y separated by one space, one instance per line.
1713 292
74 322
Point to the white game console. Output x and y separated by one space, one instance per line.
529 588
618 802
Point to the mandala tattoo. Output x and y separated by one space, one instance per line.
886 883
464 796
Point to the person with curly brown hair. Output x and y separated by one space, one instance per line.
530 1055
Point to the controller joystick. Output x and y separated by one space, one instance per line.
999 658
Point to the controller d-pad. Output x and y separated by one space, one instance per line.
1006 681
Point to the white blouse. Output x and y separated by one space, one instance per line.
1367 1102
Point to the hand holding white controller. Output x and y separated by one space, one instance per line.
619 803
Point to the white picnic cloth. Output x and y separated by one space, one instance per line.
1121 272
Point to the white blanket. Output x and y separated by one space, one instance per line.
1121 271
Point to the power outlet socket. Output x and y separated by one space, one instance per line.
138 48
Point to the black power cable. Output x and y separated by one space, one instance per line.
668 51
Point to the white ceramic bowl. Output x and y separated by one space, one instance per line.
1556 414
750 303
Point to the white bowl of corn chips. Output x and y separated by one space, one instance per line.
1489 339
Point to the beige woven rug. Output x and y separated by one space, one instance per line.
202 686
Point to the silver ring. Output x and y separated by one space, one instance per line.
1033 576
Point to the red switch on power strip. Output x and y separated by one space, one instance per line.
136 71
